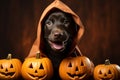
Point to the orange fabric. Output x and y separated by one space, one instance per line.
38 45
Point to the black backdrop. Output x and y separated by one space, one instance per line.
101 18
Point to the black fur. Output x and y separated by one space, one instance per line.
59 31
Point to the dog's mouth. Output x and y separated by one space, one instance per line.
57 45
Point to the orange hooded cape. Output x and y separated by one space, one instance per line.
38 45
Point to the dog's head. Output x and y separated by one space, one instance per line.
59 31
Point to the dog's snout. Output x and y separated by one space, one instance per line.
58 34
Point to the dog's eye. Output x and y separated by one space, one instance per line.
66 22
49 23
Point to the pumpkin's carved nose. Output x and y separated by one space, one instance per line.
76 69
105 74
6 70
36 71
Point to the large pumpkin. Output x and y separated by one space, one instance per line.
37 68
10 68
107 71
76 68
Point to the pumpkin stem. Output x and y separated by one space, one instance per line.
9 56
107 62
38 56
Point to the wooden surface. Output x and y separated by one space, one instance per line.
101 18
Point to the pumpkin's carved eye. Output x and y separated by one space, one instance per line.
109 72
41 67
70 64
100 72
11 66
1 66
82 64
31 66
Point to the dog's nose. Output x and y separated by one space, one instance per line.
57 34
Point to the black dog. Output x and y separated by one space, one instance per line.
59 32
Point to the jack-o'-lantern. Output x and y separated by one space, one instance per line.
107 71
10 68
37 68
76 68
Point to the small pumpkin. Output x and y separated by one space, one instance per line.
39 68
76 68
107 71
10 68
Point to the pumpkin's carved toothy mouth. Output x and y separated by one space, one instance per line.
8 73
37 76
106 78
79 76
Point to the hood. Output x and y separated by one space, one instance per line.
38 44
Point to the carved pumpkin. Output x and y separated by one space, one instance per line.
10 68
76 68
37 68
107 71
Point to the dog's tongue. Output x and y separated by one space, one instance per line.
58 47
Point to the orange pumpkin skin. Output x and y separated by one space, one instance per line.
37 69
10 69
107 72
76 68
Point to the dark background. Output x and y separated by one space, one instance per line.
101 18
